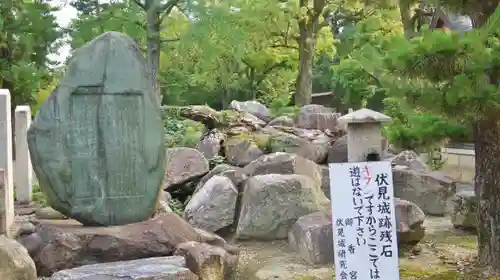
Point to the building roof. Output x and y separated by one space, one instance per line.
453 21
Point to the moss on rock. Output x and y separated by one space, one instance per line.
260 139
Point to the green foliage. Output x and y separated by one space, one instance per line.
448 72
226 117
95 19
177 206
182 133
415 130
435 159
437 83
248 49
28 33
288 111
279 107
216 160
357 85
38 196
230 55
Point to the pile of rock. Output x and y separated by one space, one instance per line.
279 196
60 246
275 184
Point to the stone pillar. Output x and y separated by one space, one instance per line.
23 172
6 180
364 134
6 204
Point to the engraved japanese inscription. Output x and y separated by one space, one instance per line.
97 143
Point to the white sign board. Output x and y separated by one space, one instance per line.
364 222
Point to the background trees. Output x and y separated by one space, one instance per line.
436 84
28 33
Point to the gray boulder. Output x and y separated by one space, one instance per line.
272 203
182 165
282 120
317 117
409 222
338 151
464 214
253 107
241 151
410 159
281 163
431 191
309 144
221 170
15 262
213 206
312 237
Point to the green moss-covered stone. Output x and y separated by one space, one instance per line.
97 143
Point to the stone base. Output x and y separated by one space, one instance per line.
60 244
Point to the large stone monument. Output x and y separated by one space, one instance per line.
96 144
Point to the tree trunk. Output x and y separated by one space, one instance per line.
307 43
153 48
487 179
405 12
98 17
487 186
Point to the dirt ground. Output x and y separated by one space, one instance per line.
444 254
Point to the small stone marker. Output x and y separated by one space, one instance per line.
6 180
23 173
97 144
364 134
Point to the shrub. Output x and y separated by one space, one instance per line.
279 107
180 132
413 130
38 196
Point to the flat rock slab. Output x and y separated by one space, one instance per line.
163 268
96 144
62 246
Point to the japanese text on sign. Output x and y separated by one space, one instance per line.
364 221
